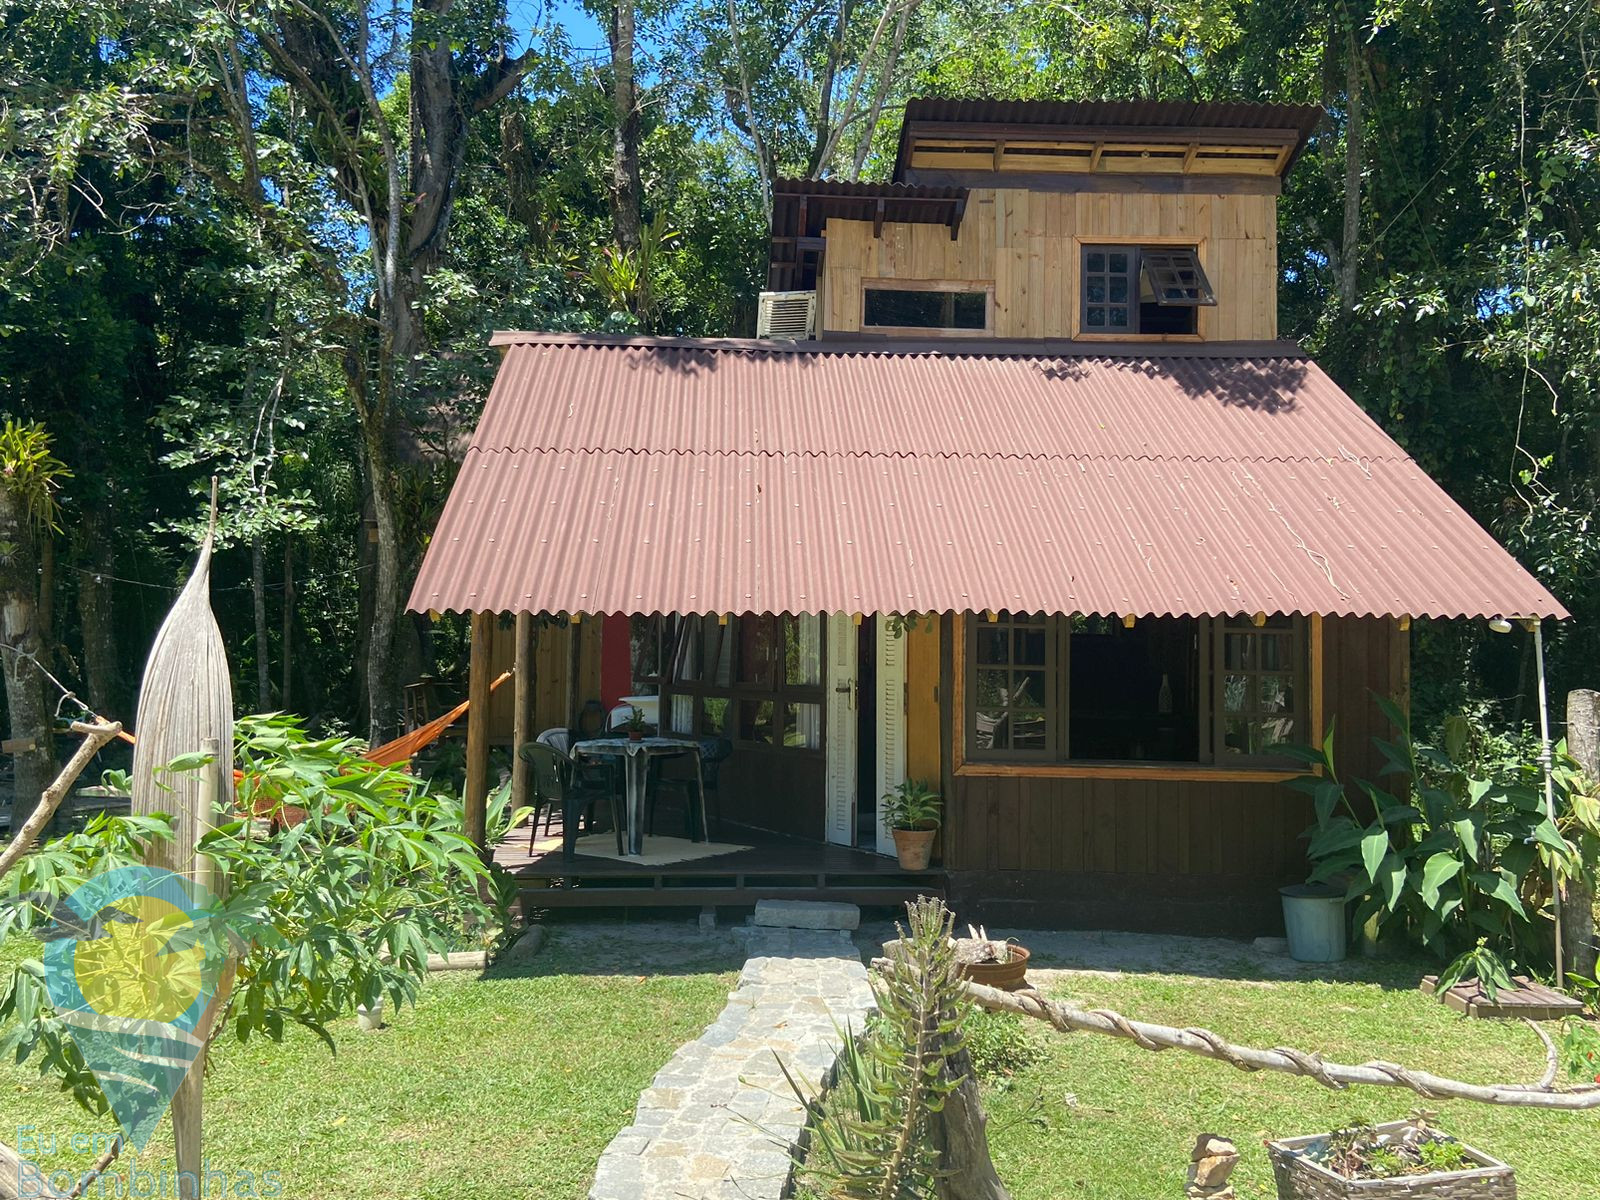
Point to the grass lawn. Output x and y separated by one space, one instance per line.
1130 1122
505 1086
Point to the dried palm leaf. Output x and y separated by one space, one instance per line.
186 698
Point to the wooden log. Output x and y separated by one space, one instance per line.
94 737
960 1131
1337 1076
522 718
477 784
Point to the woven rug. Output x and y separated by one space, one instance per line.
658 851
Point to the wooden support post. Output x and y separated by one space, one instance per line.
1583 743
477 786
522 719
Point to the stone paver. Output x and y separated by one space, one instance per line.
807 914
719 1122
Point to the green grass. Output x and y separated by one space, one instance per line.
1132 1117
505 1086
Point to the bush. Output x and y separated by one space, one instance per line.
1453 855
1000 1044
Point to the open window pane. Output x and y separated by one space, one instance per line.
1134 693
1174 277
925 308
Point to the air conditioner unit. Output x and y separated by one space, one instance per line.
786 316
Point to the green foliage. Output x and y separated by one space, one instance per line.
911 804
30 1030
366 875
1579 1049
874 1143
1000 1044
1444 854
30 471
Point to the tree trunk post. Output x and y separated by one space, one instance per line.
523 718
23 651
476 795
258 599
288 622
960 1131
1577 913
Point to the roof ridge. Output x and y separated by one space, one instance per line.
1007 348
948 455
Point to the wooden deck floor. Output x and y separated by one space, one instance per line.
772 868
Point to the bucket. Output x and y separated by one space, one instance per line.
1313 915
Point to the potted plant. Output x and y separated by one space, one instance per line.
635 723
991 961
1407 1159
911 811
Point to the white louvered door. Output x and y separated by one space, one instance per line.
841 734
891 703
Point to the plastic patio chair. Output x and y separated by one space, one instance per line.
556 780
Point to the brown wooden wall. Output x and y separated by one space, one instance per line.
552 662
1159 854
1026 244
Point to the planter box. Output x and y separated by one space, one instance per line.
1299 1178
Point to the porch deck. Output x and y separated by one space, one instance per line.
770 868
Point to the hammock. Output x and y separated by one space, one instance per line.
403 748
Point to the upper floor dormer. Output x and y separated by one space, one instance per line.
1098 220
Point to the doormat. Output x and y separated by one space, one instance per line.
658 851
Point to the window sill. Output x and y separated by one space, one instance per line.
1173 772
1084 336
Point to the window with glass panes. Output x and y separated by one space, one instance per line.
1086 689
1110 289
1012 685
755 678
1259 686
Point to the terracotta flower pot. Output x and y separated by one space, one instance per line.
913 847
1007 976
636 735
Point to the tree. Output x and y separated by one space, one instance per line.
30 474
389 93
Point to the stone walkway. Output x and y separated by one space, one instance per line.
719 1121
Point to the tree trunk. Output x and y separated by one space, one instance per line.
383 706
960 1132
258 595
98 620
23 650
1578 932
625 189
1350 246
288 623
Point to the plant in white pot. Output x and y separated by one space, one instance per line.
911 813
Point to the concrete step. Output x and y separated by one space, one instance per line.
807 914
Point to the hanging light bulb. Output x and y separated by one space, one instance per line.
1500 625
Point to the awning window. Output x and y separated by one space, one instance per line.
1175 279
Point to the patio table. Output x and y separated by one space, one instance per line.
636 758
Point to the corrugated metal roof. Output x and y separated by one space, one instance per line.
1113 115
631 475
882 398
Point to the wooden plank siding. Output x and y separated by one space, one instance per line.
552 659
1173 855
1026 244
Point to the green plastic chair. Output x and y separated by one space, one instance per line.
557 781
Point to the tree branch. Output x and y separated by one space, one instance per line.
94 737
1206 1044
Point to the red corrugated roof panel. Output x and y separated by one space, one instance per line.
629 475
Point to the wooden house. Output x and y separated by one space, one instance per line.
1020 495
